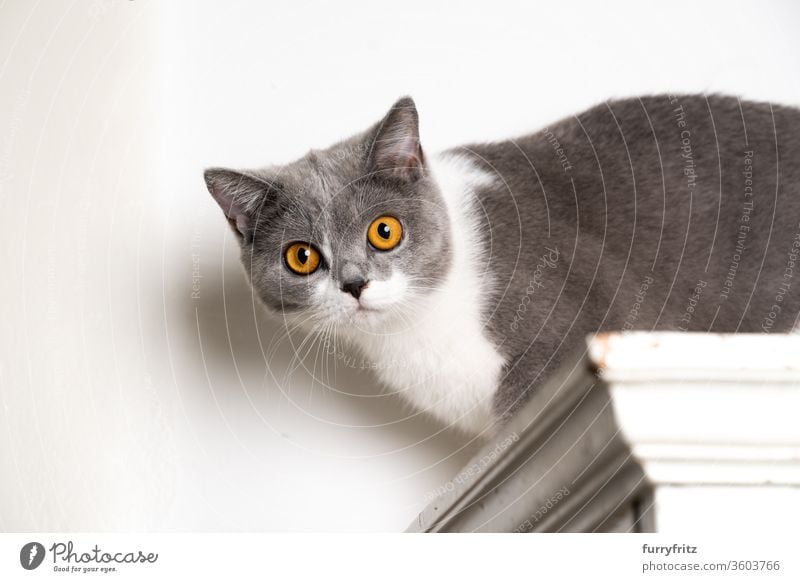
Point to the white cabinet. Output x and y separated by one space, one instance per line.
667 432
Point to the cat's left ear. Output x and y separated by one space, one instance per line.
240 196
396 151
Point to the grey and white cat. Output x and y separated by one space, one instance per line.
466 277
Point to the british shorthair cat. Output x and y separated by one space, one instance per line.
468 275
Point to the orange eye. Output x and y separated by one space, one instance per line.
302 258
385 233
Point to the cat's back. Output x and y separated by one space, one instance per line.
672 189
643 138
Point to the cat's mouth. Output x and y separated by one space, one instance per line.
365 314
373 303
362 310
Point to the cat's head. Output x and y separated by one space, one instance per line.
356 234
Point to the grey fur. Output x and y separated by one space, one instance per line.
607 220
333 195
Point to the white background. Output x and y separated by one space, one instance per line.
125 404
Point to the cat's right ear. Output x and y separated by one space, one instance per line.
396 151
240 195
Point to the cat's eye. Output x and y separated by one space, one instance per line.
302 258
385 233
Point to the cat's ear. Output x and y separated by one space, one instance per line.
240 195
396 151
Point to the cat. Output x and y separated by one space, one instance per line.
467 277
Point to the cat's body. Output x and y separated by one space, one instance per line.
668 213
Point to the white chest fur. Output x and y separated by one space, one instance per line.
443 362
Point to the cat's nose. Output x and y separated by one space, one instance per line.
354 287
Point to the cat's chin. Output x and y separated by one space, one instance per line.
369 316
372 319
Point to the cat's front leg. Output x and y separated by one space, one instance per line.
530 369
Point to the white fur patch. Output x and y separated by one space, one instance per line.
385 294
442 361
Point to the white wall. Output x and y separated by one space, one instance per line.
127 404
